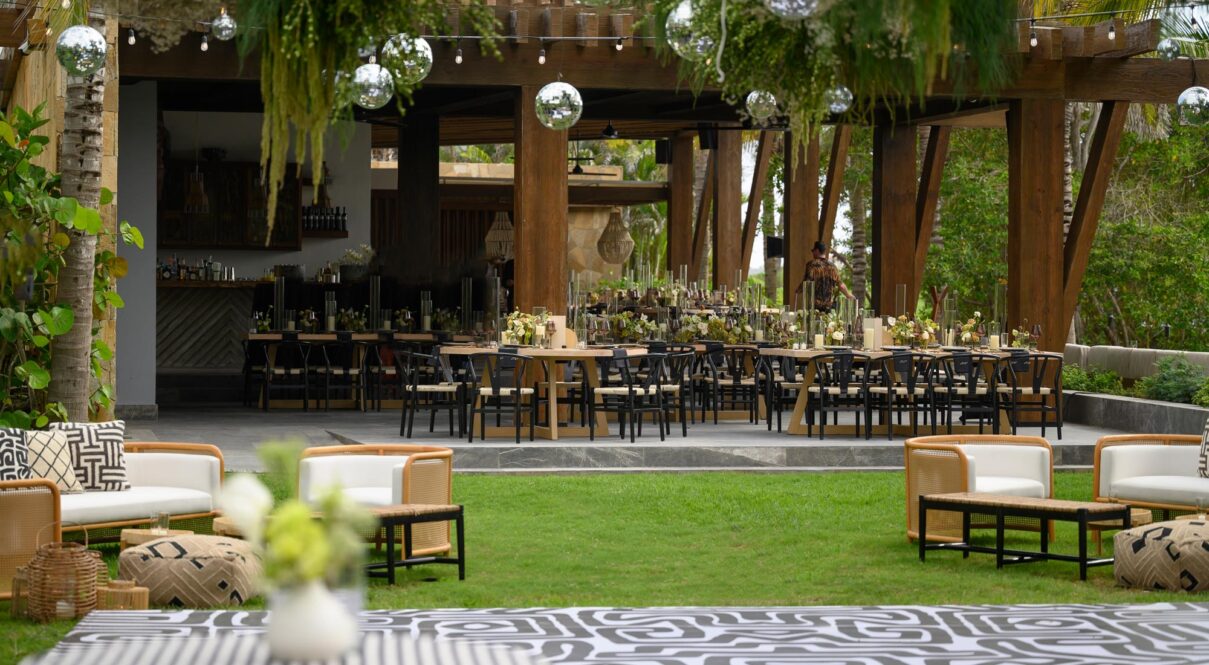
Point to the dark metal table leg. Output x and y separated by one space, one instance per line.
407 544
965 532
923 527
390 551
1044 536
461 546
999 538
1082 514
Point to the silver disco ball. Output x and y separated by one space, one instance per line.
684 38
373 86
761 105
1193 106
559 105
408 58
81 50
792 10
838 99
223 27
1168 49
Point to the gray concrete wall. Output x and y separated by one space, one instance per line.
1130 414
136 204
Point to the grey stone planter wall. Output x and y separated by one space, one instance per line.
1131 414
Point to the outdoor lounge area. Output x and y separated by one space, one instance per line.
554 332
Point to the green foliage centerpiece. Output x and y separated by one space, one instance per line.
521 327
632 327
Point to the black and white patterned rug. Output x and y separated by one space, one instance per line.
889 635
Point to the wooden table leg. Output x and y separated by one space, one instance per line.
797 423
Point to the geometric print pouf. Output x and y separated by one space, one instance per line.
193 571
1167 555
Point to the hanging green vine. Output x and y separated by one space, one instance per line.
308 50
888 52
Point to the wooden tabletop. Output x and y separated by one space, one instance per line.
545 354
363 336
807 354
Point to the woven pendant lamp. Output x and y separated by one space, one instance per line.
499 241
615 244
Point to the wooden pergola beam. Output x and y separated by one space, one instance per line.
728 210
701 229
930 174
801 210
680 210
834 184
894 194
1086 217
755 198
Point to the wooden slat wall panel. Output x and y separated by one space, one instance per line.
462 235
384 227
201 328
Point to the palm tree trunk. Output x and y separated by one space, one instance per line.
80 165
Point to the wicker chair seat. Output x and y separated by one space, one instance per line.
623 390
292 371
339 371
961 390
433 388
898 390
491 391
1022 390
836 390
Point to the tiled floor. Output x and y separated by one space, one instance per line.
732 445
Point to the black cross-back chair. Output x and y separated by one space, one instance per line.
503 391
905 386
286 369
964 382
428 385
1023 387
841 384
676 386
783 380
340 369
630 386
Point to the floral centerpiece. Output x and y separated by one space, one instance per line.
1021 338
446 319
403 320
308 321
521 327
631 327
926 331
304 558
971 330
902 330
710 327
351 319
835 328
263 320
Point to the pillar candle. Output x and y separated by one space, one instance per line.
427 322
759 335
818 340
331 324
869 339
994 342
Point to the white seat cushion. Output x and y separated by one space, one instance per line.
622 390
1011 486
835 390
338 370
284 370
136 503
670 388
1023 390
1180 490
370 496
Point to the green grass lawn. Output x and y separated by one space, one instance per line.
704 539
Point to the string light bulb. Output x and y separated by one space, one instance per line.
66 4
205 43
1032 34
541 57
1112 31
457 56
130 38
619 45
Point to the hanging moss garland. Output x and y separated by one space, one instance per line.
308 50
888 52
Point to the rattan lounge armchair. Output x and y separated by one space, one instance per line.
384 474
996 464
1157 471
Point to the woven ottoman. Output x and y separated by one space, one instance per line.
1165 555
193 571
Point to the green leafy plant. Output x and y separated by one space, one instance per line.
1175 380
1092 380
1201 398
34 214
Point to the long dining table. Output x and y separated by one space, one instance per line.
551 359
806 357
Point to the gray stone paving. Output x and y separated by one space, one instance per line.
725 446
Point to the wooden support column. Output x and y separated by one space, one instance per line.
894 190
835 181
930 173
1086 218
728 209
759 179
801 212
696 267
539 210
1035 251
419 190
680 204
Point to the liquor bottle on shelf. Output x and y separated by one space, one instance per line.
343 218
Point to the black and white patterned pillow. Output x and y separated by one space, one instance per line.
1203 464
14 454
50 458
96 454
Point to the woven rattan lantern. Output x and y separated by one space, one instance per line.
499 239
615 244
123 595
